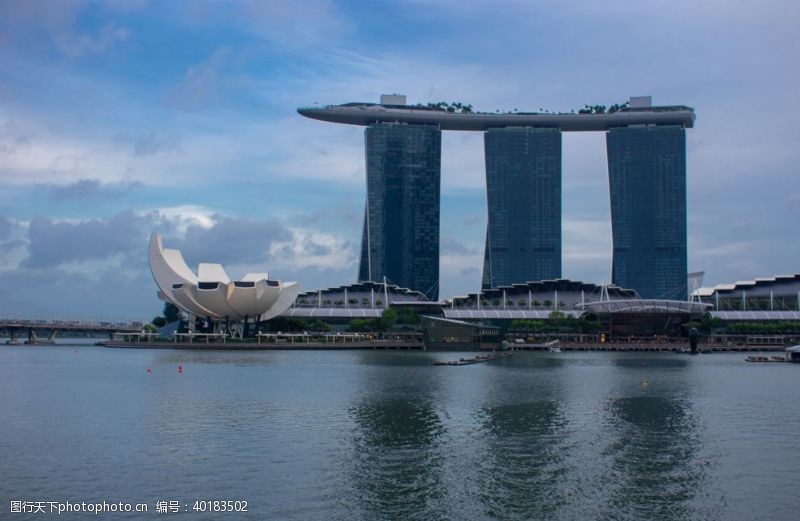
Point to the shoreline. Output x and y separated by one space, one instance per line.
417 346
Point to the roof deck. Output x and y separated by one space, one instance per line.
368 113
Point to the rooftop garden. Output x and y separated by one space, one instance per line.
601 109
456 107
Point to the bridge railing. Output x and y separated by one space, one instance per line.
71 322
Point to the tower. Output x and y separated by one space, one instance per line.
523 185
400 238
647 182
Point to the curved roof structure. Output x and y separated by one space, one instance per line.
211 293
760 316
368 113
506 314
786 282
646 306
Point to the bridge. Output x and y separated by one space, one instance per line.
32 328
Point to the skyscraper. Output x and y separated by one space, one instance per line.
523 183
647 174
647 180
401 222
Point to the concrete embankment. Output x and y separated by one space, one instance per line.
255 346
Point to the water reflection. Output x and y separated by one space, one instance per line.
397 461
655 469
525 460
217 357
667 362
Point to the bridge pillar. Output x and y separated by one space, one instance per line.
31 335
52 336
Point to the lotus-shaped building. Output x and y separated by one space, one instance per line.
211 294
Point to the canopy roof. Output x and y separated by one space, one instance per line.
645 306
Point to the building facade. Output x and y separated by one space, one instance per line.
523 184
646 148
401 222
647 181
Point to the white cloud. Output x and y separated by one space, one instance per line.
313 249
180 218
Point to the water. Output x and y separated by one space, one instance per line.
386 435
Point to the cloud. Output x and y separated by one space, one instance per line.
310 248
209 82
93 190
5 228
448 245
62 259
120 242
154 143
294 26
49 292
231 240
31 22
53 243
13 246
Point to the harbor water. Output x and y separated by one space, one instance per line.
388 435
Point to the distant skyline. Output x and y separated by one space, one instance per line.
124 117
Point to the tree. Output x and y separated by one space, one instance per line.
159 321
388 319
357 325
319 325
286 324
171 313
407 316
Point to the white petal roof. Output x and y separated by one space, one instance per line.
211 293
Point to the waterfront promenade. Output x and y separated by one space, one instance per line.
340 344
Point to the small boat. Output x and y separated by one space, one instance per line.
764 359
552 346
477 359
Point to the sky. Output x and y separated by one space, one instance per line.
120 118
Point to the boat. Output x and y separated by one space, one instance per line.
475 360
764 359
552 346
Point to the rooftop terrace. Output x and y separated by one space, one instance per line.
458 116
